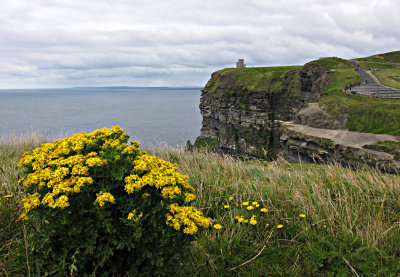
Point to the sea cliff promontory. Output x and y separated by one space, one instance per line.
248 112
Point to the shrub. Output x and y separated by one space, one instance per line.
102 207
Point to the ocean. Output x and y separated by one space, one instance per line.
153 116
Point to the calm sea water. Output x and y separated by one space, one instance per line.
149 115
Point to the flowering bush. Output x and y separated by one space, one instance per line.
101 206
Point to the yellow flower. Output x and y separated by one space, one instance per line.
189 197
279 226
186 216
226 206
302 215
230 198
103 197
217 226
250 208
8 196
240 220
253 222
62 202
245 203
145 195
264 210
131 215
255 203
237 218
246 221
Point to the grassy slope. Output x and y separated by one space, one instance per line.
351 218
379 116
385 66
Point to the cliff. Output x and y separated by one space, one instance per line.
246 113
240 106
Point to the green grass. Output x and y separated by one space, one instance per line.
351 224
12 245
390 147
386 67
389 77
347 212
333 62
207 143
378 116
391 57
252 78
387 73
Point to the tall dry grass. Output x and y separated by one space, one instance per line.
363 203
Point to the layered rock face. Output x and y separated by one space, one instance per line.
240 107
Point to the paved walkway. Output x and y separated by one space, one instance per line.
374 88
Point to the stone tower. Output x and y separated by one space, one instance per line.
240 63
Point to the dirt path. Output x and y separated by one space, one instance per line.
342 137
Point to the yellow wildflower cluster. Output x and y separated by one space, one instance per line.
61 168
162 175
103 197
252 206
253 220
57 171
187 217
133 216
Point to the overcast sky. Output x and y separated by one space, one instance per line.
68 43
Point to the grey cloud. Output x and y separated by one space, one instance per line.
68 43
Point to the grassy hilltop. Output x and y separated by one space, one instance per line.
378 116
385 66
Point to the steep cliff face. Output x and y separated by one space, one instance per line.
240 106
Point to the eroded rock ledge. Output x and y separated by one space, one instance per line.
306 144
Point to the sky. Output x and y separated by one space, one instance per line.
69 43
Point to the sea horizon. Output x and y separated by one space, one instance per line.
151 115
111 87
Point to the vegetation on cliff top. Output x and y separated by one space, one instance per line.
368 115
385 66
266 79
305 219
